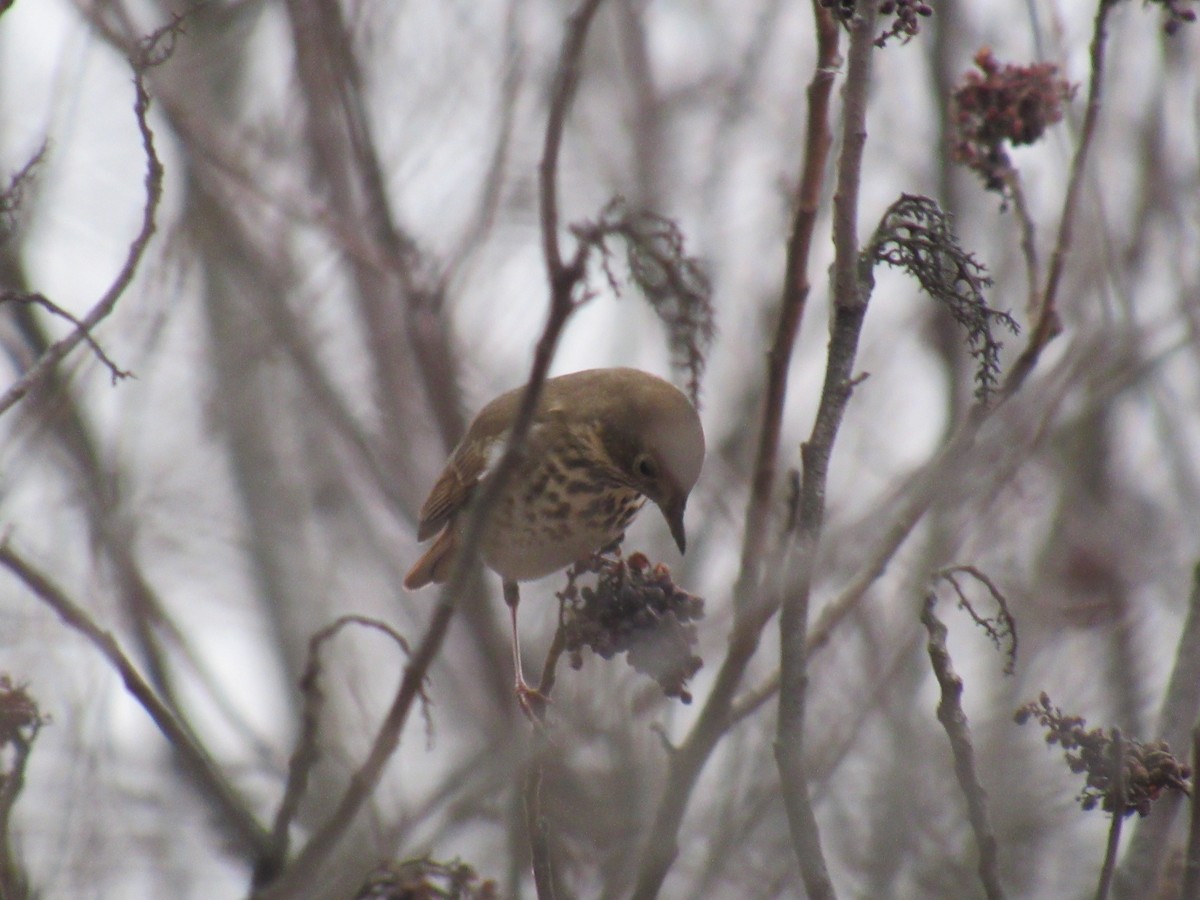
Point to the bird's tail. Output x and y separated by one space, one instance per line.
434 565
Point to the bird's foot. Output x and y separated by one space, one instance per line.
533 702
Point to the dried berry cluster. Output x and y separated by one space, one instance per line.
1004 103
907 24
1149 769
635 608
425 879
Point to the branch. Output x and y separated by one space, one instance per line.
954 720
194 757
563 282
306 753
54 309
852 284
1118 814
1191 867
752 611
20 722
1049 324
154 179
1142 861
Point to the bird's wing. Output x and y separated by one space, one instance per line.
453 489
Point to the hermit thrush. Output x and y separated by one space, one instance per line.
601 443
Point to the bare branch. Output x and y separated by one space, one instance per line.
1049 324
199 764
306 754
105 305
1142 861
851 291
1002 629
53 308
1117 793
751 609
1191 866
954 720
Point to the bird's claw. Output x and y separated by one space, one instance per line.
533 702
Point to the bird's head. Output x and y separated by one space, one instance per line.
657 445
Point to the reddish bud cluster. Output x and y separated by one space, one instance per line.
908 15
1004 103
1149 769
637 609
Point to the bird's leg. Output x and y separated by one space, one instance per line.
526 695
608 555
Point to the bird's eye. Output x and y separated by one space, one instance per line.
645 467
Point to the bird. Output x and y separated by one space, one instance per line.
601 443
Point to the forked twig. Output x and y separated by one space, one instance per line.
306 754
137 249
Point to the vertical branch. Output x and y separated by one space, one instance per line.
1141 864
545 873
751 613
850 294
1191 866
545 877
1117 793
954 721
1049 324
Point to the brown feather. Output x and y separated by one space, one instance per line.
452 490
434 565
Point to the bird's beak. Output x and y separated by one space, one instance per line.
672 510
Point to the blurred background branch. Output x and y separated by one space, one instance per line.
352 251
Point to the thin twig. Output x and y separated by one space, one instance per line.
537 830
1001 630
950 713
1028 231
1049 324
563 281
752 611
54 309
104 306
1141 863
1117 792
306 753
199 764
